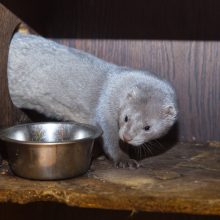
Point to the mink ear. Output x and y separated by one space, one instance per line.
170 111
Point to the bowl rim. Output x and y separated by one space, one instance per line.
97 129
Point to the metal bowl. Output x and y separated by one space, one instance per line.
51 150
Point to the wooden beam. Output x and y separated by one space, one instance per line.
9 114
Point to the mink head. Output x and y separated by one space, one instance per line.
146 114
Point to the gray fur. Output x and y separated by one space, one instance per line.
69 84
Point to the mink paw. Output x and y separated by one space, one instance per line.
127 163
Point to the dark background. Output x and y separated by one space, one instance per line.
121 19
56 211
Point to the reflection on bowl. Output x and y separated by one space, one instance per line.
50 150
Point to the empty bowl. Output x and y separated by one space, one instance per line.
50 150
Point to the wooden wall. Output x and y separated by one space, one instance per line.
192 67
121 19
178 40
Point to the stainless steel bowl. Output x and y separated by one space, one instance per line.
51 150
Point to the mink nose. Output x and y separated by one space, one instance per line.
127 137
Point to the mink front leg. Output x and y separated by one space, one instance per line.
112 149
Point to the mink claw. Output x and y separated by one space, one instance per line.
127 163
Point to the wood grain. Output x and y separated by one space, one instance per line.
8 24
125 33
193 67
184 180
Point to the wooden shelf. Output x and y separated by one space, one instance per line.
185 179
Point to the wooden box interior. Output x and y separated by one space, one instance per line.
178 40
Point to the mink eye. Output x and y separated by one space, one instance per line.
147 128
126 118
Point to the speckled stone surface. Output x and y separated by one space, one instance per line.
185 179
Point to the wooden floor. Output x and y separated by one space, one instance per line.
185 179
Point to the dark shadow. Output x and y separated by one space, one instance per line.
121 19
97 148
55 211
37 117
155 147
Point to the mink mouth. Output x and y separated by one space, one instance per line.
132 143
136 144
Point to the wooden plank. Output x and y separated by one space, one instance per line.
193 67
124 19
8 23
185 179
